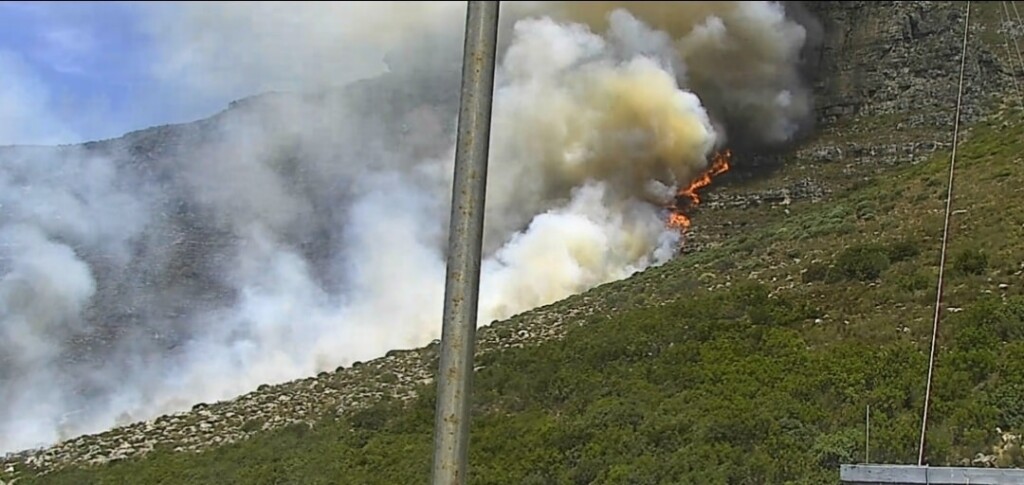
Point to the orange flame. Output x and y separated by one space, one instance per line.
677 218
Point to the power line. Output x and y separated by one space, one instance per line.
1013 34
1006 43
945 239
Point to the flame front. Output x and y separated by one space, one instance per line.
677 218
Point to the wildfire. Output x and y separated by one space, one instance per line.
688 197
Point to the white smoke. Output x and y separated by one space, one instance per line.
239 49
296 233
21 119
588 242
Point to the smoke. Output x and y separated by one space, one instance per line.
21 120
238 49
297 232
744 59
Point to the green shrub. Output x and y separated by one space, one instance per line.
831 450
902 250
815 272
970 261
1009 400
372 418
915 281
866 210
863 262
252 425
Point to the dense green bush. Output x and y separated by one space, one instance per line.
900 251
1008 399
970 261
862 262
815 272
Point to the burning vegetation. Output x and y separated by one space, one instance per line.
688 196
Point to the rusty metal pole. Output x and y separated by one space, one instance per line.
465 238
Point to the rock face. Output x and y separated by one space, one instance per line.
886 58
895 62
804 189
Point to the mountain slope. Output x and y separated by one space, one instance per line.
698 371
748 361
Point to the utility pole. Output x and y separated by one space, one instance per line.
867 435
465 238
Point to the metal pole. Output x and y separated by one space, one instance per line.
465 238
867 435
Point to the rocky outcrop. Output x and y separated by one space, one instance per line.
885 58
854 155
804 189
1007 453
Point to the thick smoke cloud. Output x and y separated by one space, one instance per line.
298 232
744 59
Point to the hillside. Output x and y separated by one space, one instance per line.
805 293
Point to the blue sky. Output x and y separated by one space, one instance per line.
78 71
87 67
